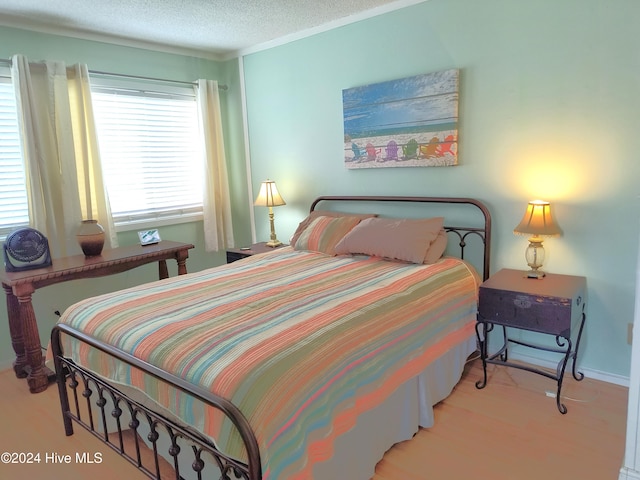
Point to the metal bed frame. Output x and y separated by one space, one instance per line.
91 402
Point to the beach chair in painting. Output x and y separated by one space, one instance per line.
391 150
357 153
372 152
446 146
430 149
410 150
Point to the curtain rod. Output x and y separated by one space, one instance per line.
136 77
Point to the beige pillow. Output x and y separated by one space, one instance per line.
437 248
322 213
399 239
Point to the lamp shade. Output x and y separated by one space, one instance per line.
268 195
538 221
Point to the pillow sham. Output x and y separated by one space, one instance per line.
437 248
323 233
398 239
323 213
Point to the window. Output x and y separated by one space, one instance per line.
150 150
14 210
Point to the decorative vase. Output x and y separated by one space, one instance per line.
90 236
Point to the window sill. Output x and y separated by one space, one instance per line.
157 222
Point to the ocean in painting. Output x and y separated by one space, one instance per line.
402 123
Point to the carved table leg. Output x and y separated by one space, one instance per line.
15 329
181 258
37 378
163 272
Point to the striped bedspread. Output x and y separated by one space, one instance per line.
301 342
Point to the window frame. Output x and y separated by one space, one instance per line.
5 79
152 88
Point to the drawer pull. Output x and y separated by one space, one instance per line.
522 301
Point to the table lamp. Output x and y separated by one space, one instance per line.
538 222
269 197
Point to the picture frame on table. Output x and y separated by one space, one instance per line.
149 237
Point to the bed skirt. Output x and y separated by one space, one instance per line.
398 419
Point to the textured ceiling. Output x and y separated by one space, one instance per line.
215 28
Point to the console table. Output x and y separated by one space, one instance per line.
19 286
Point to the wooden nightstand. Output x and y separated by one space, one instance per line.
234 254
553 305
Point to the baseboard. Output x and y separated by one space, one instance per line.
589 373
628 474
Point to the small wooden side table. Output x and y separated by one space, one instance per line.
234 254
553 305
19 287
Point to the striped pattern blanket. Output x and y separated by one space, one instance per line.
301 342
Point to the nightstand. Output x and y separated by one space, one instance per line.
553 305
234 254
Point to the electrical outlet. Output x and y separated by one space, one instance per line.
629 333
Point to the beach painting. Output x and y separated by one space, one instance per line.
411 122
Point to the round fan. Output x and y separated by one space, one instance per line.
26 248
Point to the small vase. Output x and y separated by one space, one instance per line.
90 236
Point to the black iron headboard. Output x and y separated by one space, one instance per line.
462 232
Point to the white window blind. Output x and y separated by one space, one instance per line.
150 150
14 210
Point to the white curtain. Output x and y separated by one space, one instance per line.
218 229
94 201
62 164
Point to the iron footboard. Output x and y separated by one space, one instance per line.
108 413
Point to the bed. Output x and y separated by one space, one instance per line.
306 362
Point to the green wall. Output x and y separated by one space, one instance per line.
132 61
549 103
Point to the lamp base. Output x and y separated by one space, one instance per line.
535 257
273 243
537 274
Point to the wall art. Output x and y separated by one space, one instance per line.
411 122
